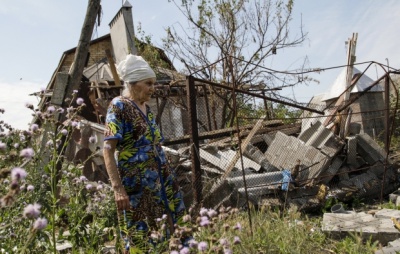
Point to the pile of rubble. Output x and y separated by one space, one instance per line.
301 170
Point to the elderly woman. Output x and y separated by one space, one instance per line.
144 185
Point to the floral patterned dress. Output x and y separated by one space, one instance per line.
143 170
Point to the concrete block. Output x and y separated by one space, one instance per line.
330 172
369 150
352 151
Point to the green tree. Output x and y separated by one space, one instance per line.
229 42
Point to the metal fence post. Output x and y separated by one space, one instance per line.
197 185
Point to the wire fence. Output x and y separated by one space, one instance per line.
232 149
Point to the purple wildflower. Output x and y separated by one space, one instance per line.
83 178
193 243
184 250
202 246
27 153
32 211
74 123
224 242
237 226
49 143
89 186
186 218
70 109
212 213
40 223
64 132
93 139
203 211
164 217
228 251
34 127
16 145
236 240
174 252
74 91
204 221
18 174
2 146
30 188
99 187
79 101
51 109
29 105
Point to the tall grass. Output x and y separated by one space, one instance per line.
46 200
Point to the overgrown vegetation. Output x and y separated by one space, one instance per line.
45 200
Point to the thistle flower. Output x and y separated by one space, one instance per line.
2 146
79 101
83 178
16 145
93 139
228 251
193 243
186 218
18 174
64 132
99 187
29 105
30 188
27 153
74 123
32 211
40 223
49 143
224 242
34 127
237 226
203 211
89 186
236 240
204 221
212 213
184 250
51 109
202 246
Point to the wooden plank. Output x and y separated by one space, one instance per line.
112 67
243 147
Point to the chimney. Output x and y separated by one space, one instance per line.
122 33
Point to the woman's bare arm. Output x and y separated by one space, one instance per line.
121 198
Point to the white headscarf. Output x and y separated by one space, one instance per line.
134 68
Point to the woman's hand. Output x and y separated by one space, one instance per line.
121 198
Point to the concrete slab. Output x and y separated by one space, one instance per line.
379 229
284 152
221 159
388 214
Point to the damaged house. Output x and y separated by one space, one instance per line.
270 162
